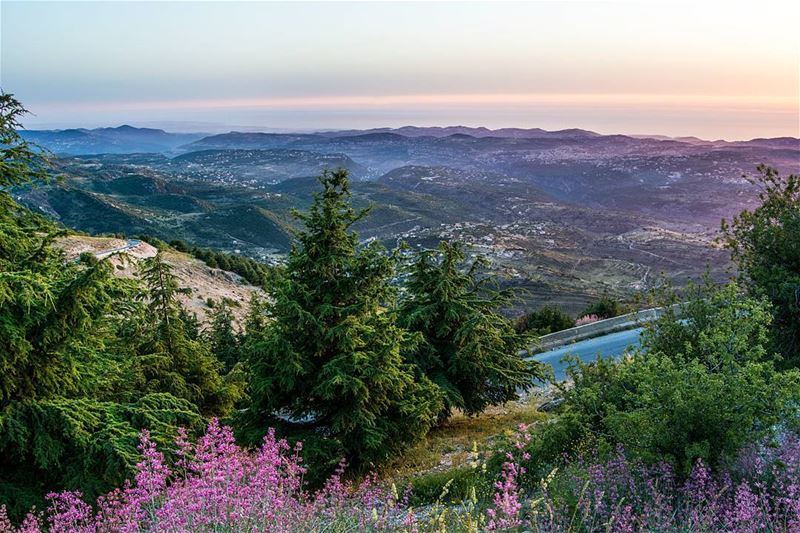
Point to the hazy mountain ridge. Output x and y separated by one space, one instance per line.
128 139
122 139
446 131
382 151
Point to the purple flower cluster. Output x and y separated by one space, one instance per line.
759 494
507 501
586 319
216 486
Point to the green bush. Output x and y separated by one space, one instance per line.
454 485
605 307
765 243
701 386
547 319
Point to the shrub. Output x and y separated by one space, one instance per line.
451 485
547 319
700 387
765 243
619 494
605 307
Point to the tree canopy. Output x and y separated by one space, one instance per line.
329 361
172 359
467 348
71 401
765 243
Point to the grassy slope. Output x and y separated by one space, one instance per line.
447 464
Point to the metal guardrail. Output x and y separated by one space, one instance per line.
130 243
596 329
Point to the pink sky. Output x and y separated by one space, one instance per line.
712 69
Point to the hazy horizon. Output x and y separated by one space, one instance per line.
715 71
214 129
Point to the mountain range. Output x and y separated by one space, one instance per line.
566 215
122 139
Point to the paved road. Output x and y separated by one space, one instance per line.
612 345
132 243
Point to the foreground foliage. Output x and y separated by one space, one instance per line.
83 365
217 486
701 387
759 492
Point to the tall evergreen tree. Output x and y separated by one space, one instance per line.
172 361
162 303
21 163
223 338
468 349
47 309
328 363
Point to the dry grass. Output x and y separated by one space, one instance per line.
464 439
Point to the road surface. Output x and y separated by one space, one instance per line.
611 345
131 243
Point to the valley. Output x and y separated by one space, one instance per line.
564 216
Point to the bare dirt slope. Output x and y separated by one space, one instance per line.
205 282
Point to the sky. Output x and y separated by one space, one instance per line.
711 69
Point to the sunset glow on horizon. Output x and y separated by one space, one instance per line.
713 70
